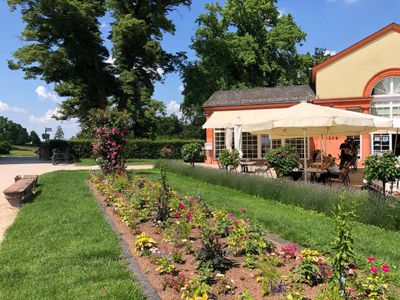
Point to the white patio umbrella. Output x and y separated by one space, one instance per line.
238 136
228 138
305 119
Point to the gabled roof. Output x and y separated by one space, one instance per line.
260 96
390 28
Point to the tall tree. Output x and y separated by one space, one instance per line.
140 59
245 43
12 132
59 135
63 45
34 138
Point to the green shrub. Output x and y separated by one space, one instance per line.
229 159
282 159
192 153
5 147
135 149
370 208
382 167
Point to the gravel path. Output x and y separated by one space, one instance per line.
13 166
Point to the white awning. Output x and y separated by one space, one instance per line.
227 119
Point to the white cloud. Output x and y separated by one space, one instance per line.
173 107
281 12
160 71
110 60
46 118
46 95
330 52
181 88
4 107
104 25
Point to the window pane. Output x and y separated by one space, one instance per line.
266 144
249 145
219 141
298 145
381 143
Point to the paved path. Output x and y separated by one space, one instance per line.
13 166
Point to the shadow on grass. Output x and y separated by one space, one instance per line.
32 198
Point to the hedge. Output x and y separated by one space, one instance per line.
135 149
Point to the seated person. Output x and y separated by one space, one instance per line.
330 165
317 155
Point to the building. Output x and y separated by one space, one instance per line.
363 78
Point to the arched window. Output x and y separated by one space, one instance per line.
389 86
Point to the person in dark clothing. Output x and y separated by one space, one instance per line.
345 153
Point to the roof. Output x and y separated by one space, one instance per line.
376 35
260 96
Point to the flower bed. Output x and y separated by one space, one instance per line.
188 250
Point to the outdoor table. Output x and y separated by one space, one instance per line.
314 172
245 165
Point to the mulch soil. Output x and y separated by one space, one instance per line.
241 277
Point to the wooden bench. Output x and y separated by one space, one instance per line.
21 189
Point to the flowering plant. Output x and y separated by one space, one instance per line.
175 282
108 148
374 285
144 242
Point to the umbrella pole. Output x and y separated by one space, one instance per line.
305 157
322 153
395 141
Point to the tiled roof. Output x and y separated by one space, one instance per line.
260 96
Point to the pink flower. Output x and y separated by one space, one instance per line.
230 228
245 237
181 205
113 130
188 216
235 222
385 268
177 215
231 216
243 211
371 259
373 270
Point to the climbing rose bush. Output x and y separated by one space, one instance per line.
108 149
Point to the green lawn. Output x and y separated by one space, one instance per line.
130 162
307 228
61 247
22 151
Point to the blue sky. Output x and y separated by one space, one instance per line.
332 24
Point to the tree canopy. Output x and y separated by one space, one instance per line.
64 46
12 132
243 44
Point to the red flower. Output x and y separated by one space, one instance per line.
231 216
198 201
243 211
181 205
230 228
177 215
245 237
329 273
188 216
385 268
371 259
235 222
373 270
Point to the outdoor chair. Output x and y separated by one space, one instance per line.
343 177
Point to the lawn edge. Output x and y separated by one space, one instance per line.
141 279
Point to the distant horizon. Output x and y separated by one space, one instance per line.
331 24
